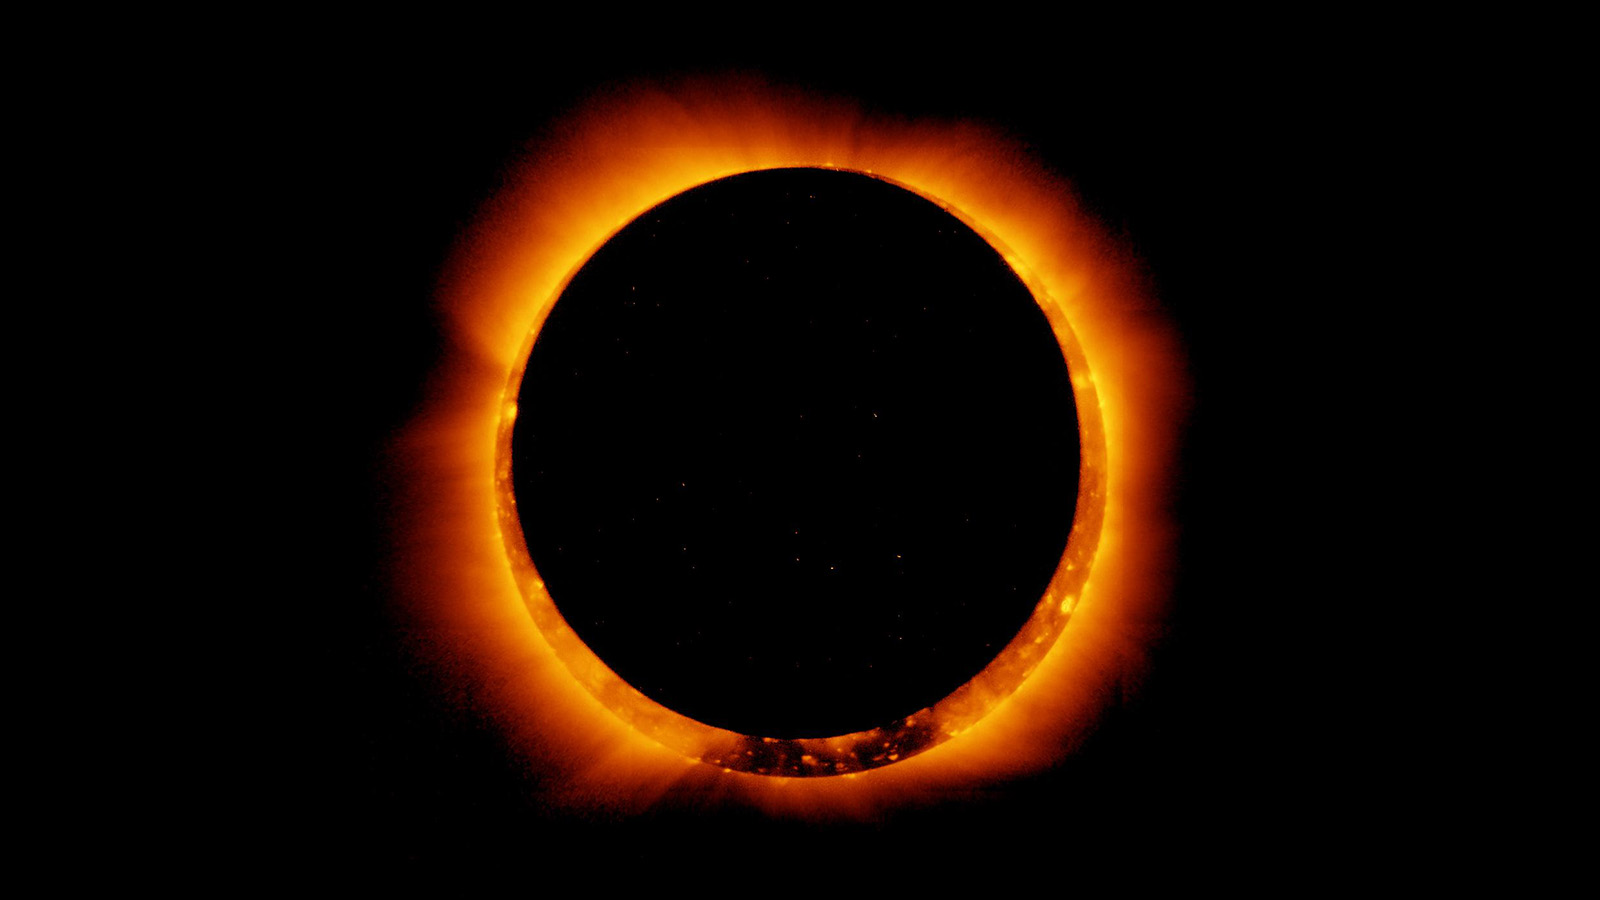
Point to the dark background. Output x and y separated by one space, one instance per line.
1213 166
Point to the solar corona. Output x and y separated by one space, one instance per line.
495 635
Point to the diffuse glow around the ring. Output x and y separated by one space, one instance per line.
492 634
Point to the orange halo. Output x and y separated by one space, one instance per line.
862 750
462 565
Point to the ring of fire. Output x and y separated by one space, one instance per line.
861 750
464 568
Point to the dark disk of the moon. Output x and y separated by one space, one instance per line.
796 453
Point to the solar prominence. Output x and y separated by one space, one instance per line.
493 632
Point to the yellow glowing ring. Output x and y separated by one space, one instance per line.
860 750
488 635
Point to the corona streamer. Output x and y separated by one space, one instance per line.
490 630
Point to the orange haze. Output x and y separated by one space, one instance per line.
493 636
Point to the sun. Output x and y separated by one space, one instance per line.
493 632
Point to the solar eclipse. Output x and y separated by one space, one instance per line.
516 622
